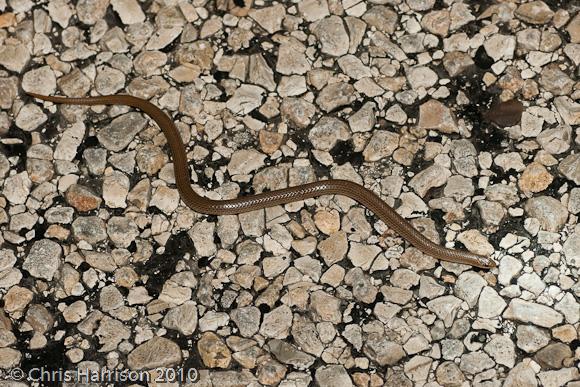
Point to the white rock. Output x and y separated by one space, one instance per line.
43 260
421 77
129 11
313 10
531 312
353 67
245 161
469 286
445 308
245 99
269 18
30 117
332 35
501 348
509 267
490 303
500 46
17 187
60 11
67 147
572 249
41 80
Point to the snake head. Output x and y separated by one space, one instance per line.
486 262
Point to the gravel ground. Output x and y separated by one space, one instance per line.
103 268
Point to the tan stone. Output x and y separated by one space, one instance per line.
157 352
327 221
574 29
434 115
213 351
82 198
535 12
270 141
535 178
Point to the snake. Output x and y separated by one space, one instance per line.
248 203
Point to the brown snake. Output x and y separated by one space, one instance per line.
278 197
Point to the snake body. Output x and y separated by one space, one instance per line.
268 199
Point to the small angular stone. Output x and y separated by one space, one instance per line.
43 260
535 12
213 351
537 314
335 95
129 11
434 115
157 352
332 35
383 351
549 211
332 375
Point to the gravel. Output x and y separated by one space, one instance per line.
102 266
